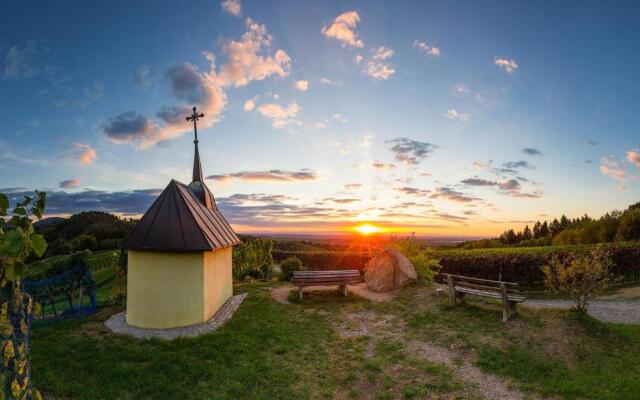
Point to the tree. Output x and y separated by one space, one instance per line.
629 228
536 229
554 227
526 234
544 229
17 242
579 276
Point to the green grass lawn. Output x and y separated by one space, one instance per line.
332 347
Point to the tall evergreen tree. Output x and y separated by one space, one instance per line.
536 229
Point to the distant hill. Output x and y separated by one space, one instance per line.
99 224
93 230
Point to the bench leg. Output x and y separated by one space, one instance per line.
505 303
452 291
344 290
505 311
301 293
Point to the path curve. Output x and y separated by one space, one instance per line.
617 311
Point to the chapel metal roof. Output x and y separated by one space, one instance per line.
183 218
178 221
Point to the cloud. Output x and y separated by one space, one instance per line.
410 151
327 81
342 201
205 89
142 76
411 191
128 127
381 165
233 7
509 185
358 58
250 104
377 65
85 153
274 175
633 156
343 28
132 202
281 117
245 64
592 143
478 182
18 62
610 166
456 115
69 183
508 65
302 86
513 165
424 48
452 195
530 151
339 118
353 186
450 217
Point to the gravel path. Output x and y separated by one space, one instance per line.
490 386
618 311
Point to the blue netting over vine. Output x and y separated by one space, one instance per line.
71 293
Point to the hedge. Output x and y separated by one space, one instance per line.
522 265
514 264
325 260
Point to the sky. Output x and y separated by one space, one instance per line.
439 118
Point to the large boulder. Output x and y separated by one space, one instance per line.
389 270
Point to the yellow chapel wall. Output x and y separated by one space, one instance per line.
218 280
165 290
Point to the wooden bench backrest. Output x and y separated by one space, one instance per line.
483 284
326 277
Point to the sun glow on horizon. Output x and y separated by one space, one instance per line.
367 229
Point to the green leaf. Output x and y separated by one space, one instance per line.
4 204
13 242
38 244
19 269
19 211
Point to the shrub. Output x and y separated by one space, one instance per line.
84 242
290 265
253 258
423 259
579 276
58 246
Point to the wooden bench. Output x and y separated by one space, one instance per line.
342 278
506 291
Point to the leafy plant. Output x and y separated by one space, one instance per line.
17 242
290 265
579 276
253 258
423 258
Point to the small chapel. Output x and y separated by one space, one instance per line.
179 256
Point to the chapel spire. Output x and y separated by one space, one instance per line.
197 186
197 167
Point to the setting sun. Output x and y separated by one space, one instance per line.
367 229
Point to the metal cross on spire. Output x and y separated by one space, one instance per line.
195 117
